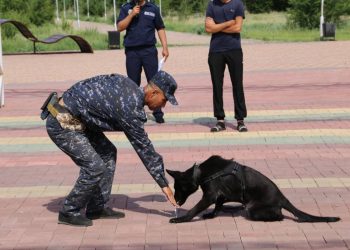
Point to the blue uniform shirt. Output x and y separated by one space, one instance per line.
222 12
116 103
141 30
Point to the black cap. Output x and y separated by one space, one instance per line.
167 84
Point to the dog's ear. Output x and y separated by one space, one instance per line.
173 173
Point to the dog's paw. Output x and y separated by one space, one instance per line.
208 216
179 219
174 220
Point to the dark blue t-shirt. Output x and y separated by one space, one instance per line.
222 12
141 30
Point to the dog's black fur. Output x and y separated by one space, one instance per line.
261 198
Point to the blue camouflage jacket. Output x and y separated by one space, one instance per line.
116 103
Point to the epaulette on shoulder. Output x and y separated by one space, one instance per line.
125 4
152 3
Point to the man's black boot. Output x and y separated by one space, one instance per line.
77 220
158 116
105 213
159 119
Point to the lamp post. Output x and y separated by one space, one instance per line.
115 15
88 8
321 20
160 7
105 11
2 88
78 13
57 15
64 9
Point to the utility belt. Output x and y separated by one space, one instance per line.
55 106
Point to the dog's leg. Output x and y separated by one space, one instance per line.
232 209
199 207
218 207
265 214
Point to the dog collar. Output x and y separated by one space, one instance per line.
232 169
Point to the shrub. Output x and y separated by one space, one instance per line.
96 8
306 13
280 5
258 6
41 11
8 30
66 26
14 5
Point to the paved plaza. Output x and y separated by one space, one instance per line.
298 99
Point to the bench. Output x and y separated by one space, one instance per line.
81 42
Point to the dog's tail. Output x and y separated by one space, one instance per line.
305 217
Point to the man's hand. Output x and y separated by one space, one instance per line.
136 10
209 21
212 27
165 53
169 195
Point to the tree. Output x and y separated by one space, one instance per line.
96 7
41 11
280 5
306 13
18 6
258 6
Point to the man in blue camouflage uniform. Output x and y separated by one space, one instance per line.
107 103
140 19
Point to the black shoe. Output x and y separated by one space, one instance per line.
77 220
218 127
105 213
241 127
159 119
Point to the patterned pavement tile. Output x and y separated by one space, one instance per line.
299 136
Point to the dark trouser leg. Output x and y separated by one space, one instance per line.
94 172
108 153
216 63
150 65
235 66
133 65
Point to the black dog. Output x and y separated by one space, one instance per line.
223 181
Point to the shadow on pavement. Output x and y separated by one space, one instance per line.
122 202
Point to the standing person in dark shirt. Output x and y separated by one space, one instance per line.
224 20
90 107
140 19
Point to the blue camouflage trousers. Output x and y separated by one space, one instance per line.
96 156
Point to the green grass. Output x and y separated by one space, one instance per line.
189 25
268 27
19 44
